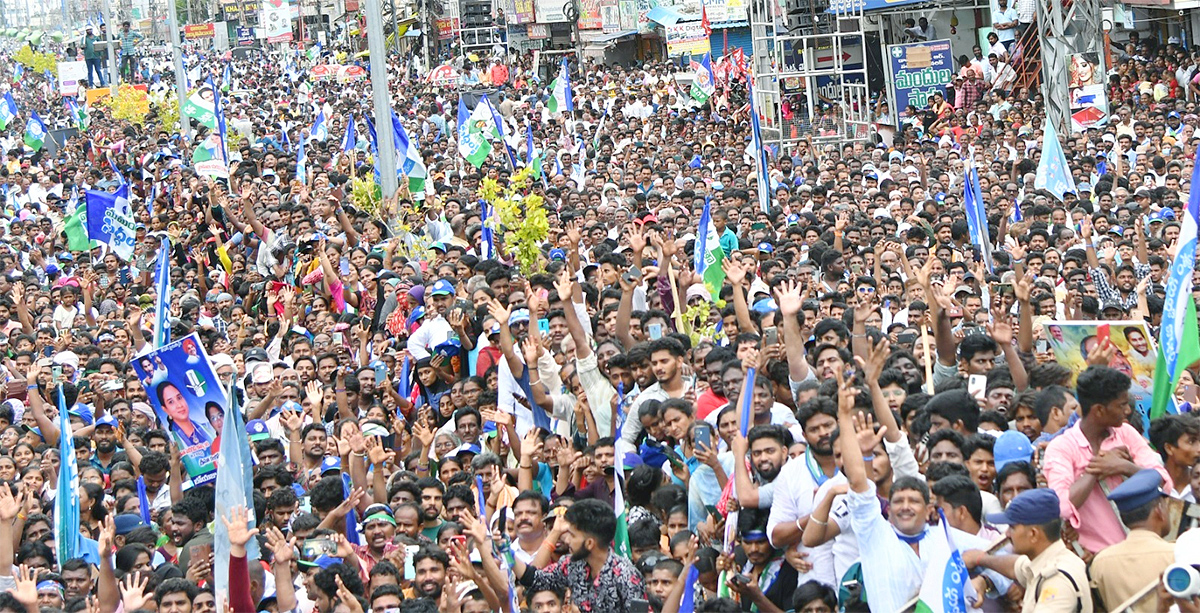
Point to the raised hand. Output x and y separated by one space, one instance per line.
238 527
868 438
1023 286
25 590
9 506
1001 332
876 357
133 591
789 297
735 272
282 548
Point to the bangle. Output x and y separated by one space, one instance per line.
22 516
524 466
800 526
355 453
818 522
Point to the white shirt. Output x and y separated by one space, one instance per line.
795 488
432 333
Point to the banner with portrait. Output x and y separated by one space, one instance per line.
1135 353
1085 86
183 388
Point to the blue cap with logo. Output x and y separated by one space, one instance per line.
107 420
1143 487
765 247
442 288
257 429
558 254
518 316
1029 508
1012 446
330 464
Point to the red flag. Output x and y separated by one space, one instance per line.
704 21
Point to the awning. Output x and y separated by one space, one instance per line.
664 16
612 37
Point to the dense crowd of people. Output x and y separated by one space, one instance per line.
809 408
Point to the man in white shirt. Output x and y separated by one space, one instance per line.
436 329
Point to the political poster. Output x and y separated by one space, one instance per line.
687 38
199 30
1085 86
1135 353
245 36
71 77
275 20
187 398
918 71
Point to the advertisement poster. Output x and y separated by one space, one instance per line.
276 21
687 38
721 11
628 10
188 400
71 76
522 12
1135 355
919 70
449 22
201 30
245 36
551 11
610 15
589 15
1085 85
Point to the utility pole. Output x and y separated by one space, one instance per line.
180 73
381 98
114 67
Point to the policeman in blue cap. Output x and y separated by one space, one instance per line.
1054 578
1123 570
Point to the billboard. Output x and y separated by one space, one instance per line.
1135 355
1089 101
919 70
199 30
187 398
687 38
275 20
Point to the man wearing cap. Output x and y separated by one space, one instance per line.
378 530
1121 571
105 435
1054 578
435 330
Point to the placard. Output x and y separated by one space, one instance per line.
198 30
71 77
930 73
1135 355
687 38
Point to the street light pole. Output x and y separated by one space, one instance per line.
113 67
386 163
180 72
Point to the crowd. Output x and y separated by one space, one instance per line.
806 408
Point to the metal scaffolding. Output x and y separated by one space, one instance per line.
810 70
1067 27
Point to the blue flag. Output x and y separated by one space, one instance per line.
234 488
301 163
219 112
349 139
1053 175
143 501
319 130
482 507
746 402
66 503
488 248
162 283
687 602
110 220
540 418
760 154
499 130
977 221
1016 213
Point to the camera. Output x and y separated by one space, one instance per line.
1182 579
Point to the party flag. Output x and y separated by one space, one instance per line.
8 111
162 283
760 154
708 252
1179 338
561 97
945 586
66 503
35 132
1053 175
234 488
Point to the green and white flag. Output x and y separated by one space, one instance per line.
35 132
561 97
209 159
201 106
709 254
475 134
8 111
621 538
946 587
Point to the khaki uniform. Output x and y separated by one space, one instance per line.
1055 582
1122 570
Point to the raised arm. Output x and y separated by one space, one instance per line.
735 273
790 299
853 465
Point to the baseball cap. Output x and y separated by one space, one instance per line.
1029 508
518 316
1012 446
257 429
107 420
442 288
331 464
765 247
558 254
127 522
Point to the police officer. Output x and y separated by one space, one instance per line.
1054 578
1134 565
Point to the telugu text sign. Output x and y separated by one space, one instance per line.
920 70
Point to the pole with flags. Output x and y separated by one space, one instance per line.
977 222
759 150
1179 338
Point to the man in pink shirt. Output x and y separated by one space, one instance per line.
1095 455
